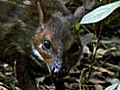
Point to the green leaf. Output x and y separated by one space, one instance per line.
100 13
77 26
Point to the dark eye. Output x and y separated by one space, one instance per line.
47 44
74 48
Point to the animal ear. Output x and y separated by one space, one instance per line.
41 15
80 11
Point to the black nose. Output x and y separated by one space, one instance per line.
59 69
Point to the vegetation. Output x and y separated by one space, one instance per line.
99 67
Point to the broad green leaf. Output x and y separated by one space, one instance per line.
100 13
115 86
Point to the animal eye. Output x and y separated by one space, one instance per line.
47 44
74 48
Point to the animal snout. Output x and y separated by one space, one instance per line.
59 69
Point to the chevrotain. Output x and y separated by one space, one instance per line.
39 39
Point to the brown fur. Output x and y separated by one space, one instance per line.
19 40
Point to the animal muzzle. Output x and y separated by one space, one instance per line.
59 69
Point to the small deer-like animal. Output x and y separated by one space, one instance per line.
34 46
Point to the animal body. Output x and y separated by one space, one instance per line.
36 37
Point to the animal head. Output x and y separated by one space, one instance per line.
57 42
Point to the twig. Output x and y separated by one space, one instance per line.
111 65
102 70
103 63
94 52
81 78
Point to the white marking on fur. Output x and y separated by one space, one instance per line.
35 51
40 46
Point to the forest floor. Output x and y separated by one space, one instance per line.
99 66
